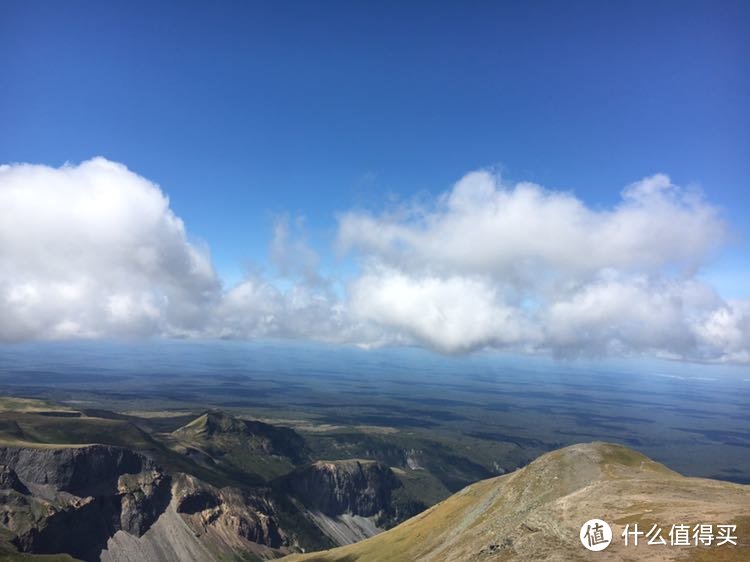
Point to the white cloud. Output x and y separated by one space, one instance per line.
482 226
94 250
491 265
727 328
628 313
255 308
453 314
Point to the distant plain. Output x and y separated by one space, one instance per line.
693 418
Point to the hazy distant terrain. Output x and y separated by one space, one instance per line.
694 419
229 451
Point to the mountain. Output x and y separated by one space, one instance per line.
251 447
72 499
348 500
95 485
202 522
99 502
107 502
536 513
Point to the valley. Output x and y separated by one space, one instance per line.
267 457
217 486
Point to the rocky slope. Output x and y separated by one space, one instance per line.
341 501
72 499
202 522
355 486
103 502
536 513
348 500
344 500
259 458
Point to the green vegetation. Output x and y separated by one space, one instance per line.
259 450
28 405
48 430
223 450
226 450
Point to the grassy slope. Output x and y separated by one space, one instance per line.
536 512
236 458
536 508
34 428
31 405
235 447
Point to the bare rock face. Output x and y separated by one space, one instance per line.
228 514
100 502
9 480
143 497
72 499
357 487
203 523
83 471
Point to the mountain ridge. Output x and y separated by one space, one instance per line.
209 486
536 512
131 506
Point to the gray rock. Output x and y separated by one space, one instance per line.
358 487
72 499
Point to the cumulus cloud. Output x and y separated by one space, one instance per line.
482 226
256 308
727 329
93 250
493 265
454 313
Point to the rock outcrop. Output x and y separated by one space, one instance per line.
100 502
205 523
359 487
89 470
230 514
348 500
9 480
72 499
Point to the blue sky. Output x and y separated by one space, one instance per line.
244 111
240 110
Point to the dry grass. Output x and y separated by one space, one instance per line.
31 405
535 513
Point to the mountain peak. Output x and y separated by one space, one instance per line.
215 422
537 511
226 436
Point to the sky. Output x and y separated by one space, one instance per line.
539 177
